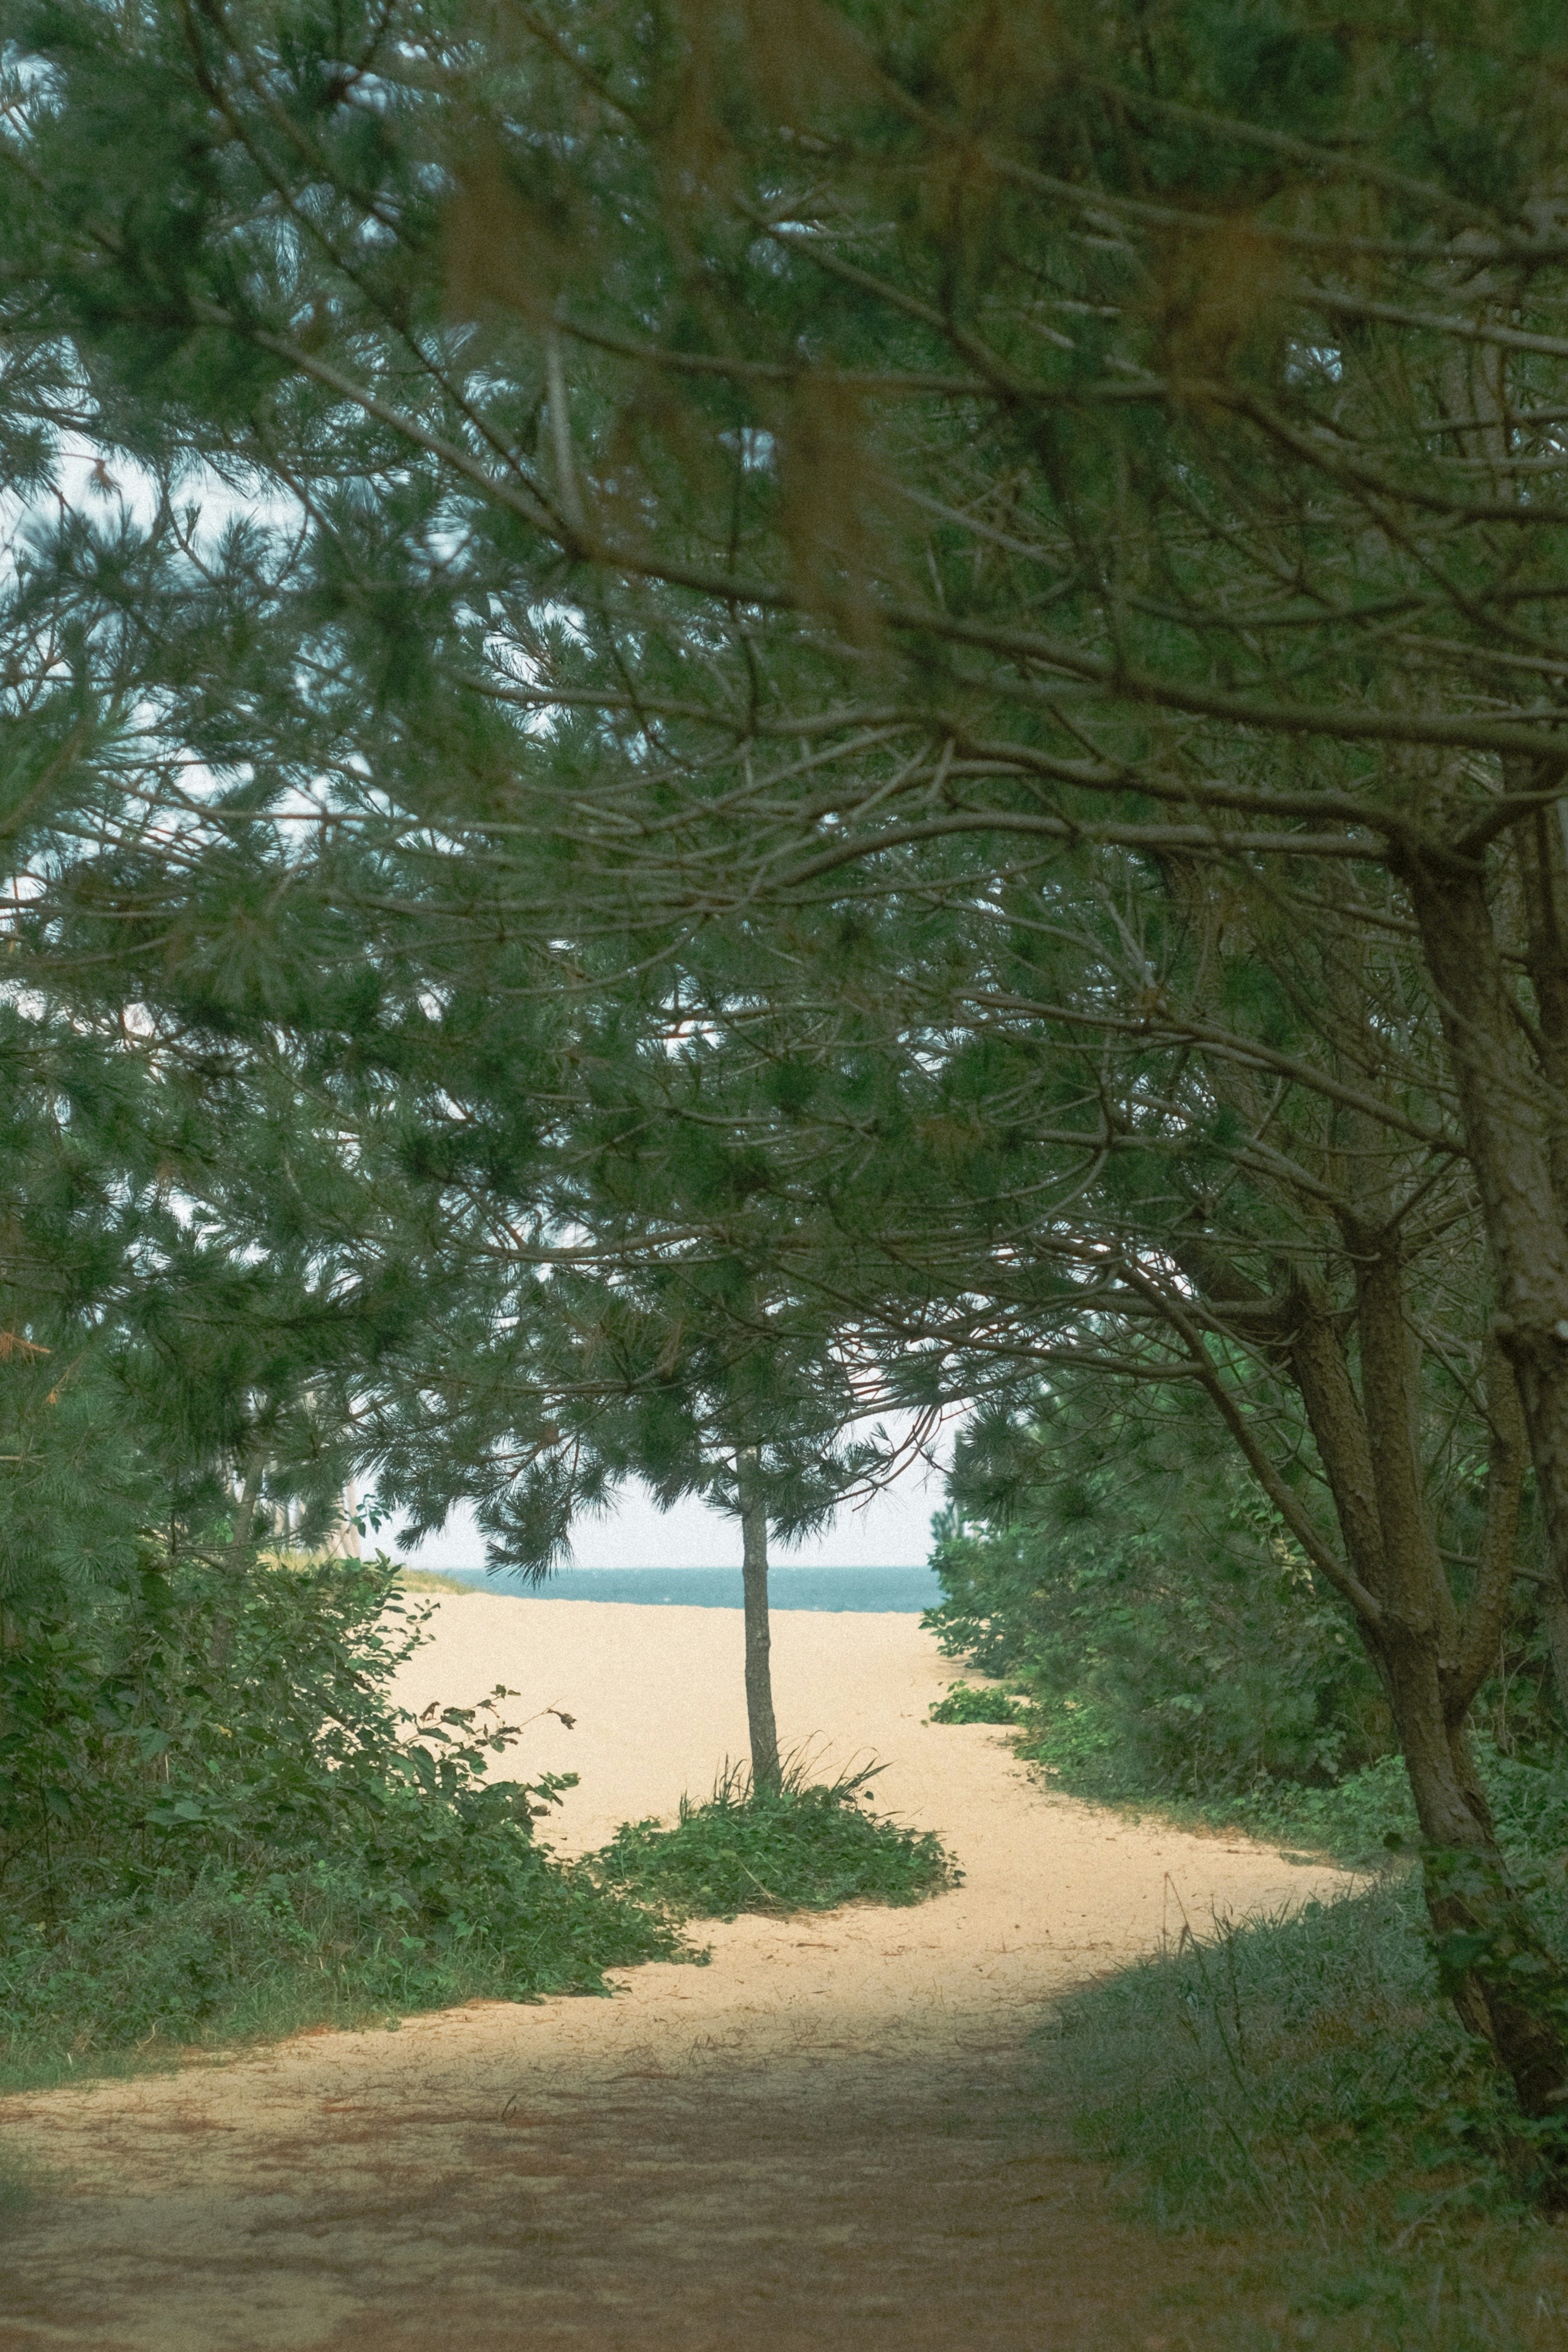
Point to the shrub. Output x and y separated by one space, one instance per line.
964 1704
801 1847
212 1818
1172 1617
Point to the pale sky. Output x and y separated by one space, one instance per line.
892 1530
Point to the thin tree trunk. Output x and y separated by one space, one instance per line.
1510 1150
1432 1663
237 1563
760 1722
1473 1901
1555 1625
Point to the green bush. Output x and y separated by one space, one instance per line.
1119 1569
801 1847
966 1704
1159 1600
1351 1820
213 1819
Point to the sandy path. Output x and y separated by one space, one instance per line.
823 2139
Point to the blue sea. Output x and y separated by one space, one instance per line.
907 1590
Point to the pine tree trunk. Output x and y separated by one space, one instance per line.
1555 1625
1510 1152
762 1728
237 1565
1475 1907
1432 1661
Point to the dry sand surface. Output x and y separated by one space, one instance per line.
824 2139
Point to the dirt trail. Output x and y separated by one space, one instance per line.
824 2140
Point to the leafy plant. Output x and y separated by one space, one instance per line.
189 1848
966 1704
1120 1568
802 1846
1294 2077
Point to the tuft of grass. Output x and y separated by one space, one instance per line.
966 1703
1285 2068
1298 2081
805 1846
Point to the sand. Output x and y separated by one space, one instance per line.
829 2137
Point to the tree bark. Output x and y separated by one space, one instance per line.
1555 1625
1509 1147
760 1722
1430 1662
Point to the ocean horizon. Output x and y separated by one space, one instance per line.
900 1590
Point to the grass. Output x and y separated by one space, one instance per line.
1299 2083
1286 2070
1350 1821
805 1846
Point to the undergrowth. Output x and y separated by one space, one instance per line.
805 1846
967 1703
1299 2079
215 1822
1302 2081
1350 1821
1302 2084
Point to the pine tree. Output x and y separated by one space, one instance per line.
789 494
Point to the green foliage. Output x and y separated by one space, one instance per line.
1168 1633
1355 1819
1228 2066
1351 1820
213 1819
805 1846
966 1703
1176 1653
1296 2075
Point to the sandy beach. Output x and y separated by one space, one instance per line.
825 2138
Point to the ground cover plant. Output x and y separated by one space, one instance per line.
1293 2082
1171 1649
215 1820
216 1823
966 1703
802 1845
